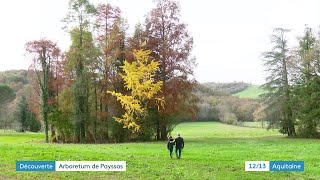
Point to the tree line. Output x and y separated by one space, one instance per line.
217 103
110 86
292 101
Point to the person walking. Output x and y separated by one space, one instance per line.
170 145
179 146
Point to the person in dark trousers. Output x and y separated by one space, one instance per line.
179 146
170 145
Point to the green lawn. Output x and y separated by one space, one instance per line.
252 91
212 151
7 131
254 124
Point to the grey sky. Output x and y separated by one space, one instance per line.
229 35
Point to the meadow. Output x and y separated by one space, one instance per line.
252 91
212 151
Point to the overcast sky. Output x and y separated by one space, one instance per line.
229 35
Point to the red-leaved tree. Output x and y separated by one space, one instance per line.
171 43
44 52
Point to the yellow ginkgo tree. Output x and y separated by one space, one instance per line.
139 79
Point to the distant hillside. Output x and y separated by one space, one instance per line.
13 77
218 103
18 82
229 88
252 91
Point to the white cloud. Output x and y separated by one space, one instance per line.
229 35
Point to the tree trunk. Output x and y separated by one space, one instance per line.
45 117
96 112
288 112
53 133
77 131
163 132
45 107
82 120
106 123
158 130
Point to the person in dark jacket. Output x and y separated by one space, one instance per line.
179 146
170 145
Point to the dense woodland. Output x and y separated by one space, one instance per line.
110 86
215 103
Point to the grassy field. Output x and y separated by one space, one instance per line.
7 131
254 124
212 151
253 91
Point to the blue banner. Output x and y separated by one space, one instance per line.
35 166
71 165
286 165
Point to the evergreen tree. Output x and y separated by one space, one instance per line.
306 99
27 118
279 112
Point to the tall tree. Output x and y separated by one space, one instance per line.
44 52
82 87
79 16
110 35
57 83
306 96
277 85
171 44
139 79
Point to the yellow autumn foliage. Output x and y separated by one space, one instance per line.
139 79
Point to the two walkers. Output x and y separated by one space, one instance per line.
178 142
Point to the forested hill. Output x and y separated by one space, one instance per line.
16 94
16 80
11 77
229 88
228 102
